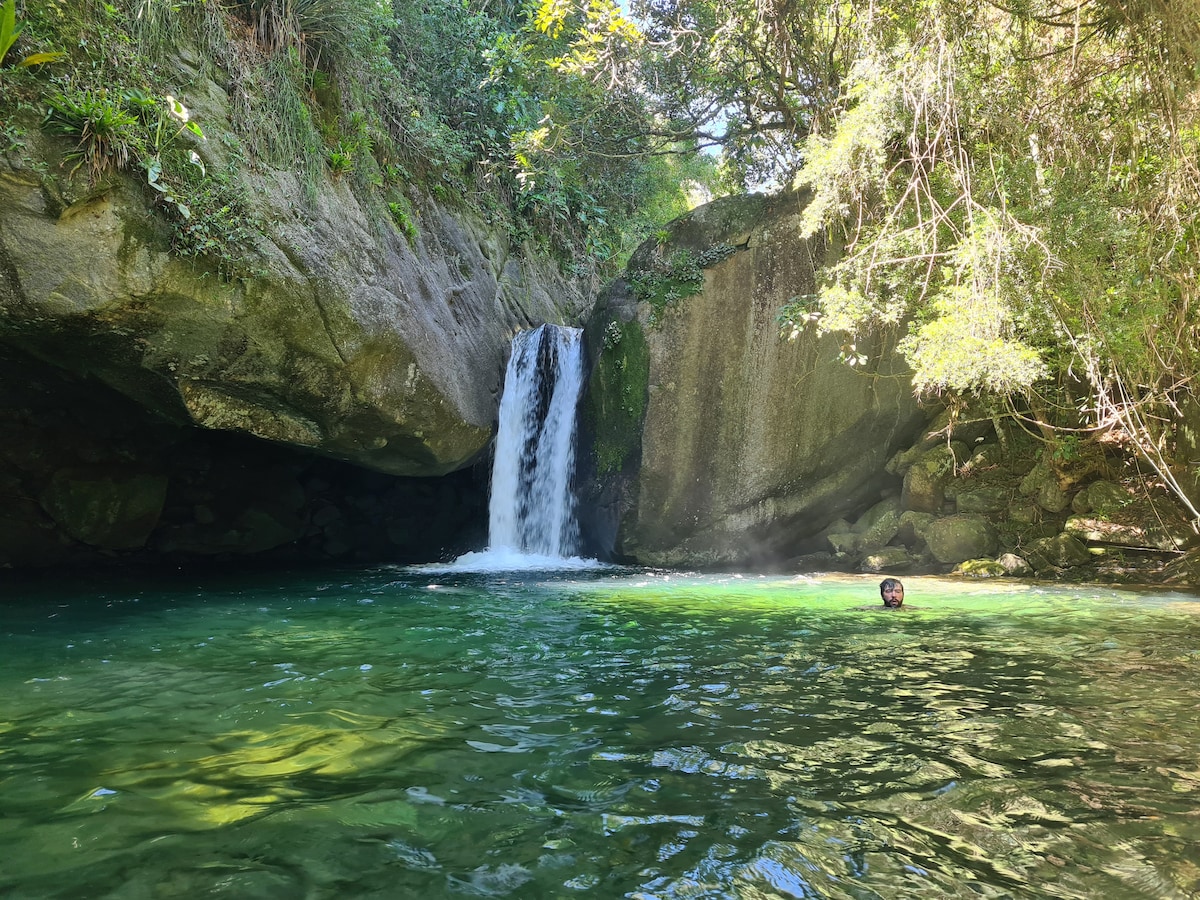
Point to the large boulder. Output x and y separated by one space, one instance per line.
1101 497
106 507
1042 487
958 538
1061 551
984 499
926 478
736 443
339 333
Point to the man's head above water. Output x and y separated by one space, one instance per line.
892 592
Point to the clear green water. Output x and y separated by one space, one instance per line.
390 734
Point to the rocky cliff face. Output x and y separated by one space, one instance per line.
339 337
734 445
347 341
711 440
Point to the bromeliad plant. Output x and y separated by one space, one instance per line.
106 132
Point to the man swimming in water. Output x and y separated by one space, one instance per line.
892 592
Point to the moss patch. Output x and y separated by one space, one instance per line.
617 394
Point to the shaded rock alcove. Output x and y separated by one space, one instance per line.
89 478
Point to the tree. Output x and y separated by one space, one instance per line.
1015 183
584 148
1017 187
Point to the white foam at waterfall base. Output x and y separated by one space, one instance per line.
531 514
505 559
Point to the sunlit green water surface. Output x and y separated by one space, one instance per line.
394 734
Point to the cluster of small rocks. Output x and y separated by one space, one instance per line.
971 506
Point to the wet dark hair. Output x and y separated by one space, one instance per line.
889 582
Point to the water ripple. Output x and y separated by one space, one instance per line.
555 736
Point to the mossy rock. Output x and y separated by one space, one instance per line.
980 568
955 539
985 499
1102 497
1062 551
1042 487
616 395
926 479
887 559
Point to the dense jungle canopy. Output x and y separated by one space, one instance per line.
1014 185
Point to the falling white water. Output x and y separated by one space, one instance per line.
531 517
532 506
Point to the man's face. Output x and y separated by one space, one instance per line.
893 596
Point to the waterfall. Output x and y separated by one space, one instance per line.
532 508
531 516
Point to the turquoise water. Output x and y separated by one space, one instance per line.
389 734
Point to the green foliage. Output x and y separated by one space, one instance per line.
664 280
166 120
748 78
850 163
1014 187
661 189
280 127
1066 449
341 158
404 219
113 133
10 31
105 130
311 28
475 103
584 153
219 227
1011 193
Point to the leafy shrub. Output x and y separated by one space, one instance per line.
10 31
